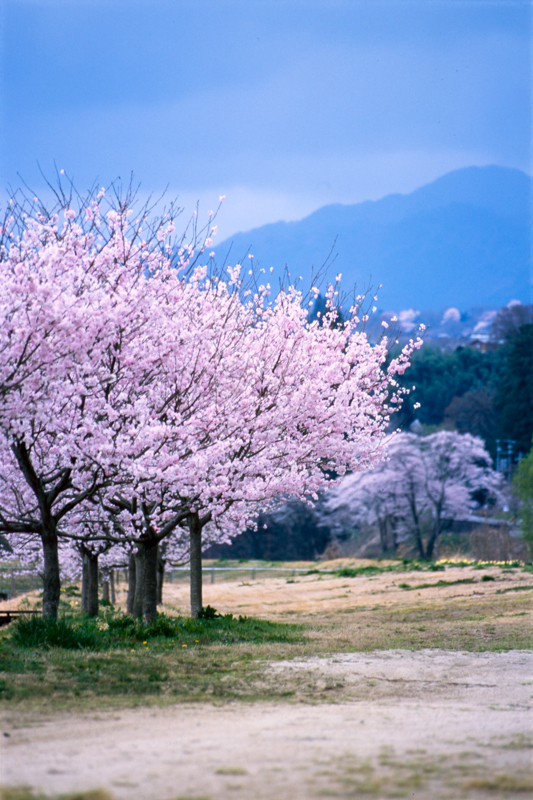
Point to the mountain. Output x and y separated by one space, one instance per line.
464 240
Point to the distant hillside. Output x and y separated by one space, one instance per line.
463 241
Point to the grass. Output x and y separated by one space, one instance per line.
407 586
421 775
514 589
414 565
116 630
81 663
77 659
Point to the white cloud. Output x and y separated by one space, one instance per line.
451 315
484 322
407 319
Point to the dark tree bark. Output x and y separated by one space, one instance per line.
105 590
431 546
112 594
137 609
439 527
195 555
394 535
84 582
160 577
46 526
131 584
51 577
89 584
149 602
47 491
417 532
383 537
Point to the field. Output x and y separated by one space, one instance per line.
391 681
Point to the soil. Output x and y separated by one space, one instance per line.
430 724
425 724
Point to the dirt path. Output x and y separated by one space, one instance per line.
429 724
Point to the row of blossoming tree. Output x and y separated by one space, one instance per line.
149 401
424 484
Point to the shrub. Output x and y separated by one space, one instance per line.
120 631
36 631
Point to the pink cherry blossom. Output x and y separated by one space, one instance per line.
148 401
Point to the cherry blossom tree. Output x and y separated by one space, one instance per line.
73 288
367 501
163 397
242 402
314 402
425 482
458 477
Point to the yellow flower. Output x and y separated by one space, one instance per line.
184 645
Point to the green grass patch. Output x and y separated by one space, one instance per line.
515 589
71 590
116 630
405 565
77 661
355 572
408 587
413 565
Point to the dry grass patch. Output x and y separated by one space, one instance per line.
418 775
338 614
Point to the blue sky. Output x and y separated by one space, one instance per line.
281 106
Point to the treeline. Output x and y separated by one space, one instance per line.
484 389
486 392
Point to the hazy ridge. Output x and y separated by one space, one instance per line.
463 240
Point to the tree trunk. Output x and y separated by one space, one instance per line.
383 536
432 549
48 532
417 531
431 546
149 606
195 556
131 584
160 577
137 609
84 582
105 590
112 594
51 577
394 536
89 584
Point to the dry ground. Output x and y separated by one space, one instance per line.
300 596
415 721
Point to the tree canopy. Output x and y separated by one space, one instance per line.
425 482
148 398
